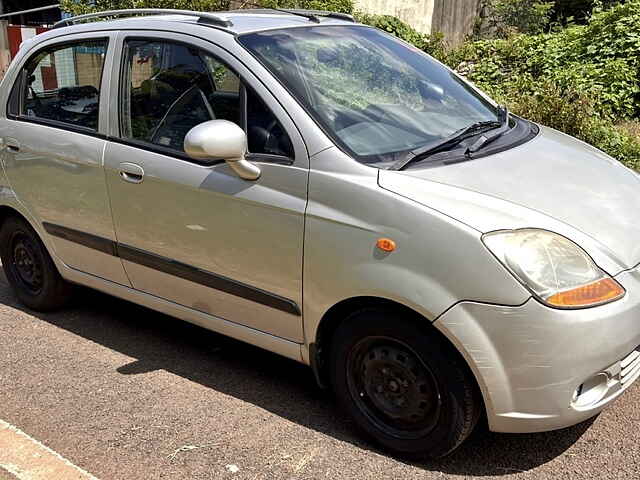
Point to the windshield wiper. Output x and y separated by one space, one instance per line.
483 141
450 141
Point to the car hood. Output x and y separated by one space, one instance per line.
553 181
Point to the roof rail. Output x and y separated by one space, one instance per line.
317 13
340 16
310 14
203 17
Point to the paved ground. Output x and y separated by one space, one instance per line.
126 393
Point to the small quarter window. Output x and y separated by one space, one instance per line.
62 84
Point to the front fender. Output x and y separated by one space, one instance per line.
438 261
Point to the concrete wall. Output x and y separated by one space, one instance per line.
417 13
454 18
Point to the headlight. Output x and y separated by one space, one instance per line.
554 268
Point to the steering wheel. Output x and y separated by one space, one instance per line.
271 142
36 99
178 105
267 138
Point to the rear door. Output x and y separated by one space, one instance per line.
55 136
195 233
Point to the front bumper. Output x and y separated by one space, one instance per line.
542 369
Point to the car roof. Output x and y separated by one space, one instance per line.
239 21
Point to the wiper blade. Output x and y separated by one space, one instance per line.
484 141
444 143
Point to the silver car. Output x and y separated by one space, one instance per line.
327 192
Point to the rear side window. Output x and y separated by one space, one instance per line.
62 84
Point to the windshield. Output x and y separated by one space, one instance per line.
377 97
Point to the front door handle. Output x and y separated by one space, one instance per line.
130 172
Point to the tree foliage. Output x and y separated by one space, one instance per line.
79 7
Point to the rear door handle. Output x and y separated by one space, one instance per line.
130 172
12 144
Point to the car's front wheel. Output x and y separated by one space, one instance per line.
29 268
405 386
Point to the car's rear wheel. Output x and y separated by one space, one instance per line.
404 386
29 268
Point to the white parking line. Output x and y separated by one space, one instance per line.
28 459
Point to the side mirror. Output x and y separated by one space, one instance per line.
221 140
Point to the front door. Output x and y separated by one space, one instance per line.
197 234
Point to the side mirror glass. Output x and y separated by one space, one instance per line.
221 140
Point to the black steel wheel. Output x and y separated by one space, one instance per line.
26 264
403 384
29 268
393 387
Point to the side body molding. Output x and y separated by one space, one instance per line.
172 267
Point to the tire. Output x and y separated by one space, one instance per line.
405 387
29 268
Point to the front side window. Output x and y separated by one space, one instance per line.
62 84
375 96
168 88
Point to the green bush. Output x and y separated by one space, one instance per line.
613 33
546 102
616 142
600 59
582 80
524 16
569 110
612 84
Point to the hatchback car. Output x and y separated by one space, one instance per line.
325 191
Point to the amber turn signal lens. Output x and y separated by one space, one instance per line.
386 244
602 291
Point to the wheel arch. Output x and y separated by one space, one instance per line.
6 211
319 349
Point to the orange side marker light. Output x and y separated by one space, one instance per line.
386 244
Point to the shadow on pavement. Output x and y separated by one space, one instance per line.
271 382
